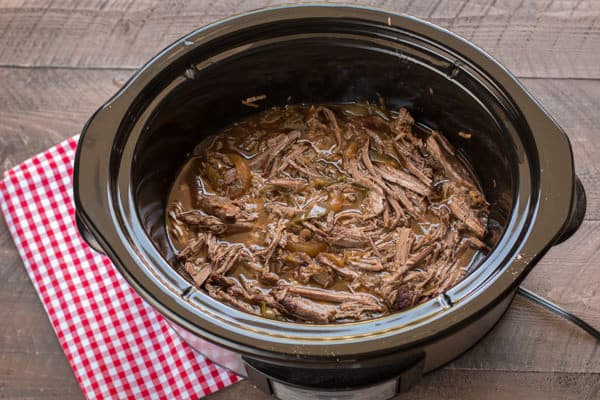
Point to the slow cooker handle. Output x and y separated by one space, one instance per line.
578 207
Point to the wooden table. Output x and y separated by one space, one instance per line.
60 60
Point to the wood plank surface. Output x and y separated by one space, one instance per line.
38 110
60 60
533 38
473 385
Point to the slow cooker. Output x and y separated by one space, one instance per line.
132 147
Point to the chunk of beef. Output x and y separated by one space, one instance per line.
478 244
200 220
222 295
313 272
304 170
352 166
403 179
403 122
295 151
398 213
420 172
304 309
404 297
345 236
330 115
290 185
391 190
454 171
274 147
283 211
400 194
367 264
238 227
193 247
328 260
219 206
416 258
227 259
461 209
315 230
451 279
449 243
441 139
376 204
199 273
334 296
275 239
357 311
310 270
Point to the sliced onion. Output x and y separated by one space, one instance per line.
336 200
316 211
310 248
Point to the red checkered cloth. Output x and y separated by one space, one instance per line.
118 346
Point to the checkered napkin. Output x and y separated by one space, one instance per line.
118 346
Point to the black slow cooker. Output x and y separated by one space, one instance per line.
133 146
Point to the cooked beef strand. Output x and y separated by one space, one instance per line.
327 213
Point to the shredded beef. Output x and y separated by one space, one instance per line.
326 213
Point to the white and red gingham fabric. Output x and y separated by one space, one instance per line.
118 346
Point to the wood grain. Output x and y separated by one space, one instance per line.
472 385
24 376
60 60
542 38
40 107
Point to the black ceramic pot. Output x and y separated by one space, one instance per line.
132 148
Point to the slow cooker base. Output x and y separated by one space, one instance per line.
286 382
